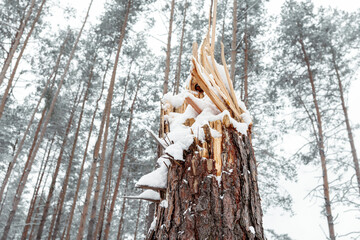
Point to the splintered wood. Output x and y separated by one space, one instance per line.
213 80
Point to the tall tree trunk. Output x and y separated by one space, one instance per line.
15 43
233 42
106 191
168 49
203 206
18 151
57 169
137 220
72 154
26 173
105 118
121 222
223 23
347 122
320 142
123 156
36 194
4 98
178 66
246 60
84 159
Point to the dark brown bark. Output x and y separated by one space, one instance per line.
200 208
347 121
320 143
122 161
178 66
36 193
15 43
168 50
233 42
56 172
71 215
5 95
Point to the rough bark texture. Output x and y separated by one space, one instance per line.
200 208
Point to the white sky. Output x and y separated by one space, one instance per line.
307 223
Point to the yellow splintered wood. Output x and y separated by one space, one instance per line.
195 50
204 151
217 147
226 121
232 93
202 83
193 105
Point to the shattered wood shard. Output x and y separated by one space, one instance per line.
207 176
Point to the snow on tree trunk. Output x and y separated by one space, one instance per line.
201 205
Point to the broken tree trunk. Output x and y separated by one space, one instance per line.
207 176
203 206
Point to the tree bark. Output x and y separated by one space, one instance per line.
123 155
320 142
178 66
15 43
347 121
233 42
168 49
4 98
203 206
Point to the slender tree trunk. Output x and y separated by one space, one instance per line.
233 42
13 162
57 169
137 220
83 162
105 118
123 155
168 49
347 122
26 173
106 191
15 43
4 98
246 61
223 23
72 154
36 194
178 66
121 222
320 142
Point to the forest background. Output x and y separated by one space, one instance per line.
289 169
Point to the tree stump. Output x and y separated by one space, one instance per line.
202 205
